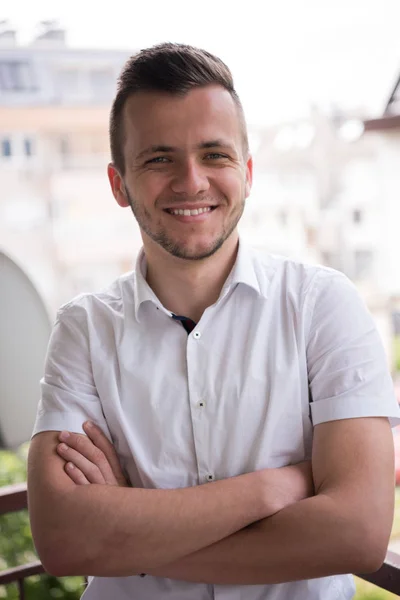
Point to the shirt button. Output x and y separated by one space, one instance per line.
197 335
201 404
210 477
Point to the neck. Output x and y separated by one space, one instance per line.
188 287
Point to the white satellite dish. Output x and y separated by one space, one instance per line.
24 333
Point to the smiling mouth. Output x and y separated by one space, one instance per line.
186 212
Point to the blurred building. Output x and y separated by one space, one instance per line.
61 231
384 134
317 194
326 190
58 219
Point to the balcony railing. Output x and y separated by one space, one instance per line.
14 498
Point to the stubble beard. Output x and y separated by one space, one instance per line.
162 238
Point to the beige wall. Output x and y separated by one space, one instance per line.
48 118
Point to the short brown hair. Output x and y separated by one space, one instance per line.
171 68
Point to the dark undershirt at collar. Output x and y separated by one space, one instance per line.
187 323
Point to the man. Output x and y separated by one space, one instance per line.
242 446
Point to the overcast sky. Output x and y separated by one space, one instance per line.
284 54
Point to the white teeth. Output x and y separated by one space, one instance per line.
190 213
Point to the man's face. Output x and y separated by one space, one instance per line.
186 176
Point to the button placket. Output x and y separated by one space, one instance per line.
199 413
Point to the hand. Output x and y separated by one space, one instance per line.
90 458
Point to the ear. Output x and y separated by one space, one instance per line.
117 185
249 176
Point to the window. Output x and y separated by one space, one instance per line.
17 146
69 78
362 263
311 236
28 147
6 149
102 83
16 76
64 146
332 259
282 218
64 150
69 84
327 258
396 322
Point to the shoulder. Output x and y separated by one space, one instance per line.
111 300
291 276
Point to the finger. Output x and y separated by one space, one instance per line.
101 441
75 474
90 470
85 447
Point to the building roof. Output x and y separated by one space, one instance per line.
48 72
391 116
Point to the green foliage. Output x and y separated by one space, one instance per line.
367 591
396 353
16 546
395 535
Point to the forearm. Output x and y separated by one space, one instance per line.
111 531
309 539
107 530
344 528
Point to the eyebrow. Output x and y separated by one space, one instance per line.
202 146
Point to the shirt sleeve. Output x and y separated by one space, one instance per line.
68 392
347 365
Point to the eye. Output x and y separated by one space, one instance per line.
215 155
157 160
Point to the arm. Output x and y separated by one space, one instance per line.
345 528
107 530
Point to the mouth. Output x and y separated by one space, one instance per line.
190 212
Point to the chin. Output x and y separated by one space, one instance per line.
198 251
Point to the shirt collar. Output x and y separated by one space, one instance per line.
143 292
244 272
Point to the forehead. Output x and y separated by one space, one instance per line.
154 118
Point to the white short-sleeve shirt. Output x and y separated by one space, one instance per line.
286 346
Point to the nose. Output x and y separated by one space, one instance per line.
190 179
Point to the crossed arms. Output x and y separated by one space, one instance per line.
264 527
